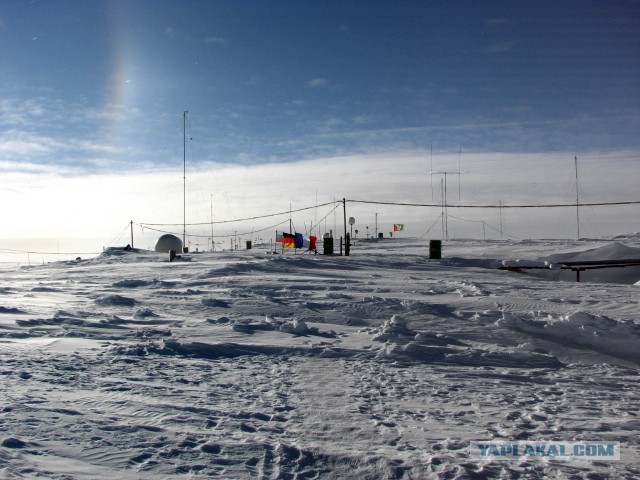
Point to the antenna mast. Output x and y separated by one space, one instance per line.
577 198
431 172
459 171
184 179
443 189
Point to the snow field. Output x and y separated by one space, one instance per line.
379 365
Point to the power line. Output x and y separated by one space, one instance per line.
148 227
145 226
401 204
288 212
556 205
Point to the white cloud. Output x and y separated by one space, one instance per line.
22 112
215 40
362 119
318 83
499 47
17 143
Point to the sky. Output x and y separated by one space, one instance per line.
296 103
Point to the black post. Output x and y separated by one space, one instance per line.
346 235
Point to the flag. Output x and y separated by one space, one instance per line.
288 240
309 242
398 227
298 240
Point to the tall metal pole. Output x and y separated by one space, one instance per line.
131 233
500 219
442 205
459 171
376 225
446 214
431 172
346 241
577 199
184 179
213 247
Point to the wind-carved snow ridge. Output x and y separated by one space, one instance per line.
582 330
143 313
393 329
10 310
115 301
406 345
468 289
293 327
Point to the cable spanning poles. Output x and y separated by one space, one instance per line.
550 205
288 212
344 201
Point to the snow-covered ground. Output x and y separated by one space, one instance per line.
383 364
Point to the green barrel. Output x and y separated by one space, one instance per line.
435 249
327 246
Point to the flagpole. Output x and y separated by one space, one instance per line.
346 241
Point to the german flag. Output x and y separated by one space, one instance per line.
287 239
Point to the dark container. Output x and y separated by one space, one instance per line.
435 249
327 246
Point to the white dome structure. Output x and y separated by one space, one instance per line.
168 242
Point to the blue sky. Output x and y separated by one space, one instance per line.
93 87
103 84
